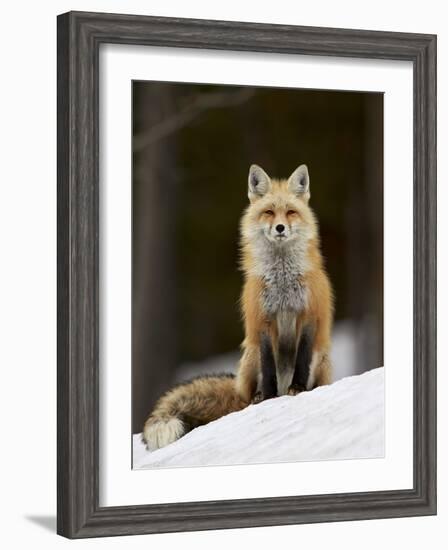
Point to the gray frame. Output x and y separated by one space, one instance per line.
79 37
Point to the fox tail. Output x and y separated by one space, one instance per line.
189 405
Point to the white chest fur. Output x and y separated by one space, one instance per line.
280 269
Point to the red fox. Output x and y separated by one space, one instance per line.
287 307
287 301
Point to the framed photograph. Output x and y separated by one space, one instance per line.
246 274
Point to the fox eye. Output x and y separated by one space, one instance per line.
269 212
291 213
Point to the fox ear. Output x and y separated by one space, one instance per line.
299 182
259 182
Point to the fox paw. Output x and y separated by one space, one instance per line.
257 398
295 389
260 396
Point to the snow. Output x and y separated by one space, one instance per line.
342 421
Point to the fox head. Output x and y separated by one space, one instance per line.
278 210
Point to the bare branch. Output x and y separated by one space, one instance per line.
181 119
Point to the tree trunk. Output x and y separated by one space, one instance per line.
154 346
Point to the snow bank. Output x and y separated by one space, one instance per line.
341 421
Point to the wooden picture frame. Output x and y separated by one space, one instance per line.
79 37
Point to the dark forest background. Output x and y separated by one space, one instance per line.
192 148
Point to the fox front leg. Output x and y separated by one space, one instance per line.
303 362
268 371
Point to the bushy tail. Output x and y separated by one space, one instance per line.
190 405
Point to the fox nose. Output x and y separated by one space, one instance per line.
280 228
